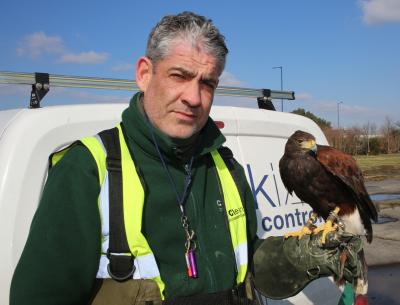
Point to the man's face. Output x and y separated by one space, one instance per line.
179 89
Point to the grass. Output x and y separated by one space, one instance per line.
380 167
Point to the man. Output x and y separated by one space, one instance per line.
177 242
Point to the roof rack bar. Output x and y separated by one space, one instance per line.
55 80
39 89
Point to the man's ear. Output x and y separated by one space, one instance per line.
144 71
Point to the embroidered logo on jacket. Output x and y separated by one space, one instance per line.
235 213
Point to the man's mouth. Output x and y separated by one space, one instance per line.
185 115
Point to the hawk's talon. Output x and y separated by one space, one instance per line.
308 229
304 231
329 225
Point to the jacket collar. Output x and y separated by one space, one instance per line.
137 129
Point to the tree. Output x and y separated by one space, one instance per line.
322 123
367 130
386 129
391 133
352 140
374 146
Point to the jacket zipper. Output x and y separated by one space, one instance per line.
200 244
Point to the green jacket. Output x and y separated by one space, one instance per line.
60 259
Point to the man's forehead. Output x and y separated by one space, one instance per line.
191 71
192 56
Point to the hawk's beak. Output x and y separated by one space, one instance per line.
313 146
309 145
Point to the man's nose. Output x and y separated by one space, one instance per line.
192 94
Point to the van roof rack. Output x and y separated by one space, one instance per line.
41 83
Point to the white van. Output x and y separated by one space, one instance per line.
256 136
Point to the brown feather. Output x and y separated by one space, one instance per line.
346 169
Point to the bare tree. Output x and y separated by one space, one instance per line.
373 129
366 132
391 134
386 131
396 135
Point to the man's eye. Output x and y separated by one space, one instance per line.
209 85
178 76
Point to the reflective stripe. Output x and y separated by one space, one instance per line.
102 272
236 215
147 266
241 255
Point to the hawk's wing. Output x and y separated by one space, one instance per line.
345 168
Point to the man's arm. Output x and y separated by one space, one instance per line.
60 259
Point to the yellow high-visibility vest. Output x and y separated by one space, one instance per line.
133 202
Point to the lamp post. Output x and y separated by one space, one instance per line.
338 125
281 68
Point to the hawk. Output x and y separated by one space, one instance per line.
333 185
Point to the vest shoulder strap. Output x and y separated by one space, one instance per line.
227 156
121 259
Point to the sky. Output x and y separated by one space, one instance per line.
344 51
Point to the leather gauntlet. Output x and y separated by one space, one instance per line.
283 267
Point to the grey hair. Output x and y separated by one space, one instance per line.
190 27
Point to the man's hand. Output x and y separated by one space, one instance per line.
283 267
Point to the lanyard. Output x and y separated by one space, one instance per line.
190 244
188 178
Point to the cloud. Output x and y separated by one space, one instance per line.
90 57
15 90
350 114
228 79
123 67
235 101
303 96
380 11
38 43
83 97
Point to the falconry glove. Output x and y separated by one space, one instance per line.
283 267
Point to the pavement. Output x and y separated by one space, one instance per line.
383 254
385 246
389 186
383 285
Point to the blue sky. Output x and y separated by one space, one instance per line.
331 51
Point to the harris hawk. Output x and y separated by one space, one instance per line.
333 185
